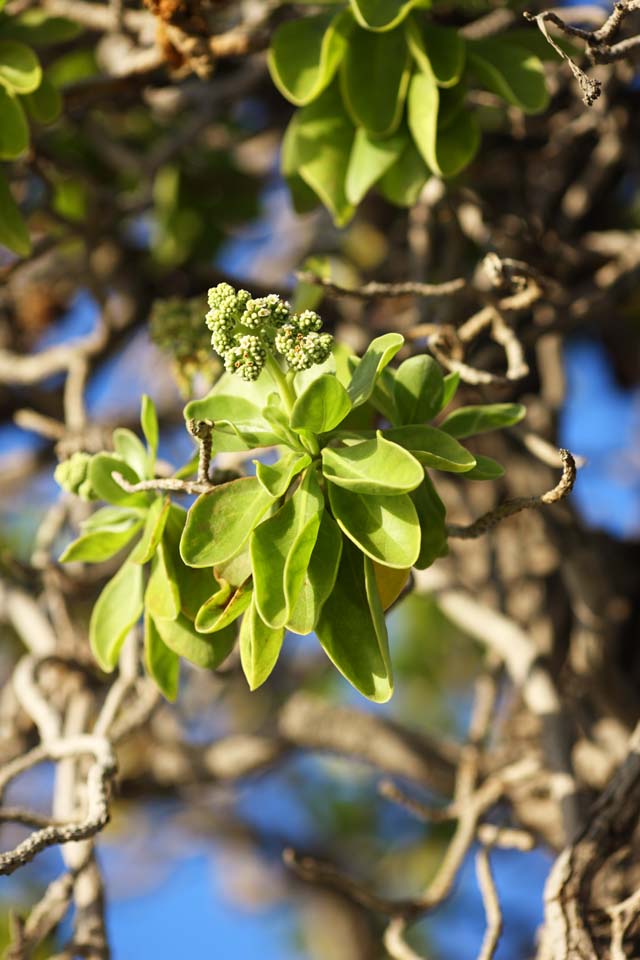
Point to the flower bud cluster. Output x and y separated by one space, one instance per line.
73 476
244 330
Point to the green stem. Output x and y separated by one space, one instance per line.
286 389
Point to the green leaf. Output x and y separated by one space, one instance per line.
115 612
468 421
220 522
14 129
372 467
99 545
106 488
36 28
374 78
319 578
438 50
431 514
433 448
260 647
281 548
418 388
486 468
276 479
305 54
403 182
382 14
378 354
370 159
13 231
216 615
451 382
132 450
240 403
376 611
385 528
349 635
161 598
180 636
153 529
511 71
317 146
194 585
112 518
322 406
20 70
162 664
45 103
446 151
149 424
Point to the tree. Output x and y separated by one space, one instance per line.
373 447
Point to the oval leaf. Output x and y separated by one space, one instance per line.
45 103
116 610
153 529
348 634
469 421
322 406
161 597
180 636
213 616
162 663
305 54
319 578
436 49
385 528
20 70
220 522
486 468
276 479
13 230
418 388
433 448
382 14
372 467
14 129
260 647
106 488
99 545
370 159
511 71
403 182
378 354
374 79
431 514
448 150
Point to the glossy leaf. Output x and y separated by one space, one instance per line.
216 614
153 529
349 635
208 652
13 230
149 424
14 129
446 151
162 663
116 610
378 354
403 182
436 49
418 387
369 161
20 70
99 545
161 598
317 146
128 446
106 488
194 585
260 647
385 528
431 514
112 518
281 548
372 467
486 468
433 448
322 406
276 479
469 421
238 402
450 386
45 103
511 71
220 522
374 78
381 14
305 54
319 578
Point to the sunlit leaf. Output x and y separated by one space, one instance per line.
378 354
319 578
382 14
20 70
161 598
116 610
276 479
418 387
511 71
99 545
208 652
372 467
433 447
468 421
162 663
486 468
153 529
260 647
370 159
305 54
374 78
385 528
216 614
106 488
322 406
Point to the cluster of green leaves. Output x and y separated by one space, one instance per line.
321 540
25 92
383 97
